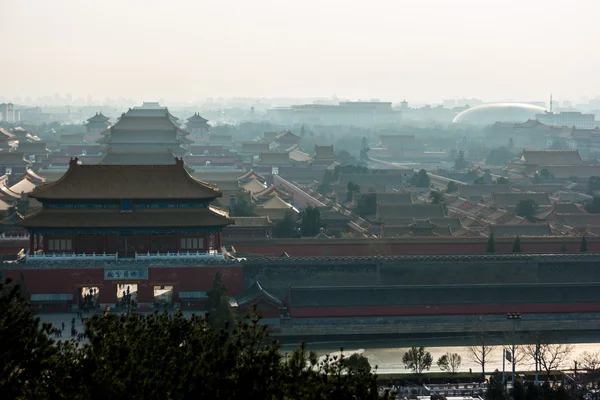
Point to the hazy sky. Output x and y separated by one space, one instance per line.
421 50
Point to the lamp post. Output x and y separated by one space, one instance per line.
514 317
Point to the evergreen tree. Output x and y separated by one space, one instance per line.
422 179
243 209
516 248
563 248
286 228
367 204
220 314
491 245
583 246
452 187
311 222
163 356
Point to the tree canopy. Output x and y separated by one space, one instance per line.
417 359
499 156
452 187
420 179
286 228
491 244
162 356
367 204
220 315
460 162
243 209
527 208
311 222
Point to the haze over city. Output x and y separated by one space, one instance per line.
189 50
191 189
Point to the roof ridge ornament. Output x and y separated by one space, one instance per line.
74 162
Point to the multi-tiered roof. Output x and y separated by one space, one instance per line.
146 130
196 122
98 121
89 198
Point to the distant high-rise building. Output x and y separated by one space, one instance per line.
570 119
8 112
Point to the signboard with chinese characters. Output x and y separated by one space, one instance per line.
125 274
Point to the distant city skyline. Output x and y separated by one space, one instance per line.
424 51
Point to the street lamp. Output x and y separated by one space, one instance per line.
514 317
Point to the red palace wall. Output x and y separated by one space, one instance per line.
389 247
189 279
478 309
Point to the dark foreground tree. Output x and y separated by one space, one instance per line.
162 356
357 362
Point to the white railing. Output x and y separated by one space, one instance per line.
196 255
70 256
25 237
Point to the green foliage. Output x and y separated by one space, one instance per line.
496 390
511 143
436 197
516 248
449 362
357 363
583 246
502 181
593 183
491 244
460 163
367 204
452 187
220 315
417 359
311 222
420 179
352 190
594 206
162 356
243 209
527 208
499 156
479 181
286 228
544 173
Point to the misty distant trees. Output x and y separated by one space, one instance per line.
460 163
499 156
420 179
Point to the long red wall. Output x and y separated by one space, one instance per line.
403 246
475 309
57 281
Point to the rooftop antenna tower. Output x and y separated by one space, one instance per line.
550 102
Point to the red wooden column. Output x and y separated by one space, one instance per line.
31 250
148 242
218 241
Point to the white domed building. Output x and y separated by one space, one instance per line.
487 114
